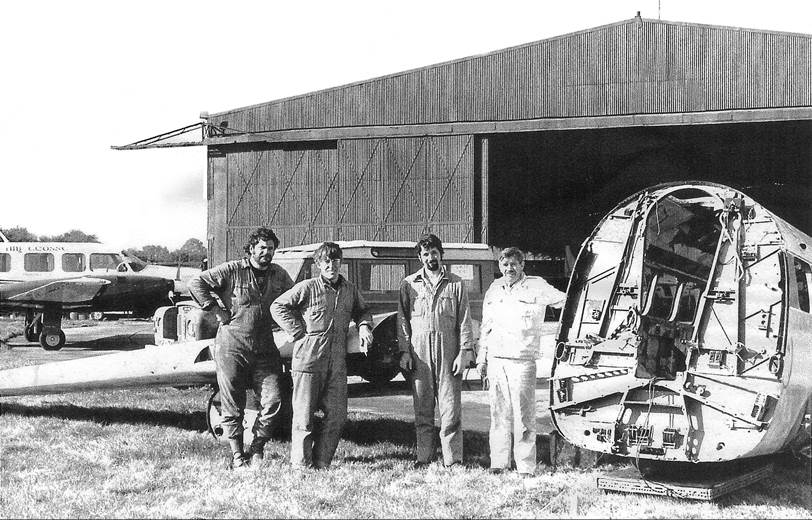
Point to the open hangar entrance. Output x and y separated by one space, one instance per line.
549 189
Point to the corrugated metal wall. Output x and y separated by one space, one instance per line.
372 189
635 66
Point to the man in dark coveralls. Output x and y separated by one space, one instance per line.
245 353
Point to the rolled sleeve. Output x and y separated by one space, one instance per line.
206 284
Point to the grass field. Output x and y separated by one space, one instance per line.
145 453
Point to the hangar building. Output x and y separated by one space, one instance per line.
528 146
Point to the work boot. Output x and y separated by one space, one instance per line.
238 460
256 452
257 457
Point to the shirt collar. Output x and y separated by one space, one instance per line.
518 282
422 274
337 285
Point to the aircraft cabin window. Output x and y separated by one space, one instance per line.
73 262
104 261
803 278
38 262
5 262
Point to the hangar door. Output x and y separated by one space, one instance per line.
360 189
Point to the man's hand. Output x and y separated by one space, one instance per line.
461 362
365 335
223 315
406 363
482 368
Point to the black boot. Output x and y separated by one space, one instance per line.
238 458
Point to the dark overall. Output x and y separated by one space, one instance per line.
245 353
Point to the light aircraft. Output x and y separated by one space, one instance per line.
47 279
686 335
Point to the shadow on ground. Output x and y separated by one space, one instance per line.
192 421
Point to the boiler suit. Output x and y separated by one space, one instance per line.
317 315
434 324
509 344
245 353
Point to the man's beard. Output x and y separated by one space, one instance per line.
433 265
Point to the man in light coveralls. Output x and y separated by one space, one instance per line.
512 314
436 343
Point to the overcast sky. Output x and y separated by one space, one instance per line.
80 76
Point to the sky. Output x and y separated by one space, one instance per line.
81 76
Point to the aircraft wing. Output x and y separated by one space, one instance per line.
166 365
62 291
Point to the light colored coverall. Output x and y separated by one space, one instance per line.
509 343
434 324
245 353
317 315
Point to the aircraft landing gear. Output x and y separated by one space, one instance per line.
33 325
51 336
52 339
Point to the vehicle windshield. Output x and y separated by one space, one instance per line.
292 265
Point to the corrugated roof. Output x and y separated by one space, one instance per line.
621 70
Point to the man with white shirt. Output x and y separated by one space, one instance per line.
512 313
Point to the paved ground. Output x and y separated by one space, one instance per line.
393 400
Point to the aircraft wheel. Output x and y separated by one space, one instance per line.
97 316
214 419
52 340
33 329
31 334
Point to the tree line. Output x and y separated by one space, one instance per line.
192 252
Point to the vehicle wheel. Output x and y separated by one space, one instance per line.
383 358
382 376
97 316
52 340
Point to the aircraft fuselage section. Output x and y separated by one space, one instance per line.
685 335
